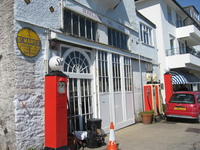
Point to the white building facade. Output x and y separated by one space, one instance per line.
103 57
178 37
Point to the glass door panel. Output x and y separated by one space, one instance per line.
80 105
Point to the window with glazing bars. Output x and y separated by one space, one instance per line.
117 39
116 72
145 34
78 25
103 71
127 74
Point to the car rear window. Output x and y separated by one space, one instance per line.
182 99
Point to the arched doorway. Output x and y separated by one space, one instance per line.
77 65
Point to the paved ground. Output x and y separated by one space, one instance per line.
164 135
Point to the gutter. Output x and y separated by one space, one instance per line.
184 11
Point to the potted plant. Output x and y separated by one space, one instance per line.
147 116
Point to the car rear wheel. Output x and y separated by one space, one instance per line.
168 118
198 119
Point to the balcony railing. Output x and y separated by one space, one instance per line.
188 21
180 51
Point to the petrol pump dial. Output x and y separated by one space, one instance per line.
61 87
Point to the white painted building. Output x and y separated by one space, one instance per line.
104 59
178 37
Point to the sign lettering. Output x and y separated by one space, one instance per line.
28 42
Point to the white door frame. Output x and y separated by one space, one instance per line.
78 75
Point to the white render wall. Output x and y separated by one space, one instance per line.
38 13
139 68
163 29
158 16
127 18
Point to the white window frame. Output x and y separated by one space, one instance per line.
103 71
68 25
117 39
179 22
169 14
116 73
127 73
146 34
172 39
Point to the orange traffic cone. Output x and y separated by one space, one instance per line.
112 143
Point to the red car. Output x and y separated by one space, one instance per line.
184 104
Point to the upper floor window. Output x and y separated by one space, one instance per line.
169 14
117 39
146 34
78 25
196 16
172 42
179 22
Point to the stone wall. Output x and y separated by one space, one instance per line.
30 72
7 76
21 82
29 103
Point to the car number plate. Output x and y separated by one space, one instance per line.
179 108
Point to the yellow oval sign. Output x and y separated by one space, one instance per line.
28 42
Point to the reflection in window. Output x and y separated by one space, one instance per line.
146 34
77 63
169 14
117 39
67 21
182 99
179 22
74 110
75 24
78 25
172 44
82 26
88 25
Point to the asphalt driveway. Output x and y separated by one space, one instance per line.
164 135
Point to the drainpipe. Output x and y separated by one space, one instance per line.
61 15
46 52
140 70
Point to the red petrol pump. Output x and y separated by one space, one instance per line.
56 124
152 95
152 98
168 86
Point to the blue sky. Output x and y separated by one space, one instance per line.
195 3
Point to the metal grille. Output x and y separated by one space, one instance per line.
80 103
116 72
127 74
77 63
103 71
